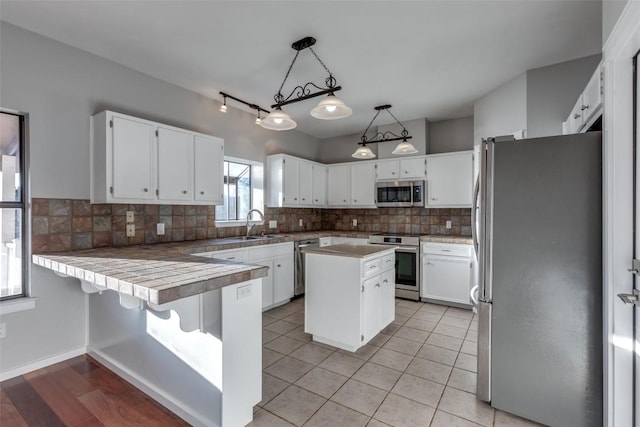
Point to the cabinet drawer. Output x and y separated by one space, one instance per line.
447 249
269 251
231 255
388 261
371 267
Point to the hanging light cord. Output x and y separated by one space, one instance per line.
279 97
363 138
404 129
404 133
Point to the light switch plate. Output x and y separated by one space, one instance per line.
160 229
300 222
130 217
245 291
449 224
131 230
355 222
273 223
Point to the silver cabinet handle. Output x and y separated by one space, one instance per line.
584 107
372 267
385 281
231 257
575 116
146 190
377 285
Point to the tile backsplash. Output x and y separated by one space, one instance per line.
65 224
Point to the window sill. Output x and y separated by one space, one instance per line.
223 224
16 305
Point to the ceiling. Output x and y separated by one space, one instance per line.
428 59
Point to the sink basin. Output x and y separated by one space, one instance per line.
249 238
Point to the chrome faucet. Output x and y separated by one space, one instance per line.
249 227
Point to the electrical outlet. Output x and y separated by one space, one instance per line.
130 216
300 222
355 222
3 330
449 224
245 291
160 229
273 223
131 230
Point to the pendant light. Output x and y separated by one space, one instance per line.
278 120
258 119
404 148
330 108
223 107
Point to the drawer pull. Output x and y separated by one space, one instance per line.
377 285
146 190
202 192
231 257
372 267
385 281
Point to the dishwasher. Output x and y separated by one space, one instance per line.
299 248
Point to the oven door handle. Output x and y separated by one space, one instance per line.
409 250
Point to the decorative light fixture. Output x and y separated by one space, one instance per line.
258 119
330 108
223 107
405 147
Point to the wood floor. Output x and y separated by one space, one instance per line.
78 392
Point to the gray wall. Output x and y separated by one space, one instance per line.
60 87
502 111
451 135
340 148
611 10
553 91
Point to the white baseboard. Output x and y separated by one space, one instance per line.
42 363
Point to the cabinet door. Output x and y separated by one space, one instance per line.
388 298
388 169
175 164
209 169
306 183
267 283
363 180
591 97
447 279
449 180
371 298
282 278
133 159
338 185
290 178
576 119
319 185
413 168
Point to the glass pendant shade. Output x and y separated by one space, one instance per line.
223 108
331 108
363 152
278 120
405 148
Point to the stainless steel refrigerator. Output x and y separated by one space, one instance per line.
539 235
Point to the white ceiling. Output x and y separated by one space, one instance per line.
427 58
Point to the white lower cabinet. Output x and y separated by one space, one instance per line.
277 287
447 273
349 300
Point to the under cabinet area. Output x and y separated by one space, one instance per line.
449 180
350 294
277 287
139 161
447 273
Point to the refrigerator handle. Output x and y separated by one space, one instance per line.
474 217
474 295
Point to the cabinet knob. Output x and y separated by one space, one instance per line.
295 198
393 173
303 199
584 107
316 200
355 201
406 172
377 285
146 190
278 265
184 191
202 192
344 201
433 198
576 116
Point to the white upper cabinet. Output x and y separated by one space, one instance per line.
209 169
338 185
449 180
306 183
363 178
130 145
588 107
319 192
292 182
407 168
175 157
139 161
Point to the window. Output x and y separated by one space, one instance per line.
243 191
14 241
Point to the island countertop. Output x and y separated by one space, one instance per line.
350 250
155 273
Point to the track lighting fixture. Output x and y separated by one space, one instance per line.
223 107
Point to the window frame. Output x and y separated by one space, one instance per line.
256 183
12 303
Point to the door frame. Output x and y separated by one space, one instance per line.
618 53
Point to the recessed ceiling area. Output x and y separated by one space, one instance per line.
428 59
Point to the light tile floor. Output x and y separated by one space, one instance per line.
419 371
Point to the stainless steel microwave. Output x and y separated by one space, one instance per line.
393 194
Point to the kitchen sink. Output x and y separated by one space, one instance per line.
249 238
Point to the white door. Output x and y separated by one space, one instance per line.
133 159
306 183
447 279
291 181
388 169
209 168
319 185
371 318
282 278
388 298
413 168
449 180
175 157
363 181
338 185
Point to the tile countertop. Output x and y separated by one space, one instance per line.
348 250
166 272
444 238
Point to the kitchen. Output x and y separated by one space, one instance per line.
60 168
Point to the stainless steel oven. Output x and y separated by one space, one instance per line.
407 275
400 194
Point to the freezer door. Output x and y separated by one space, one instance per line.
546 273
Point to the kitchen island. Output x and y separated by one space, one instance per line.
184 329
350 293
